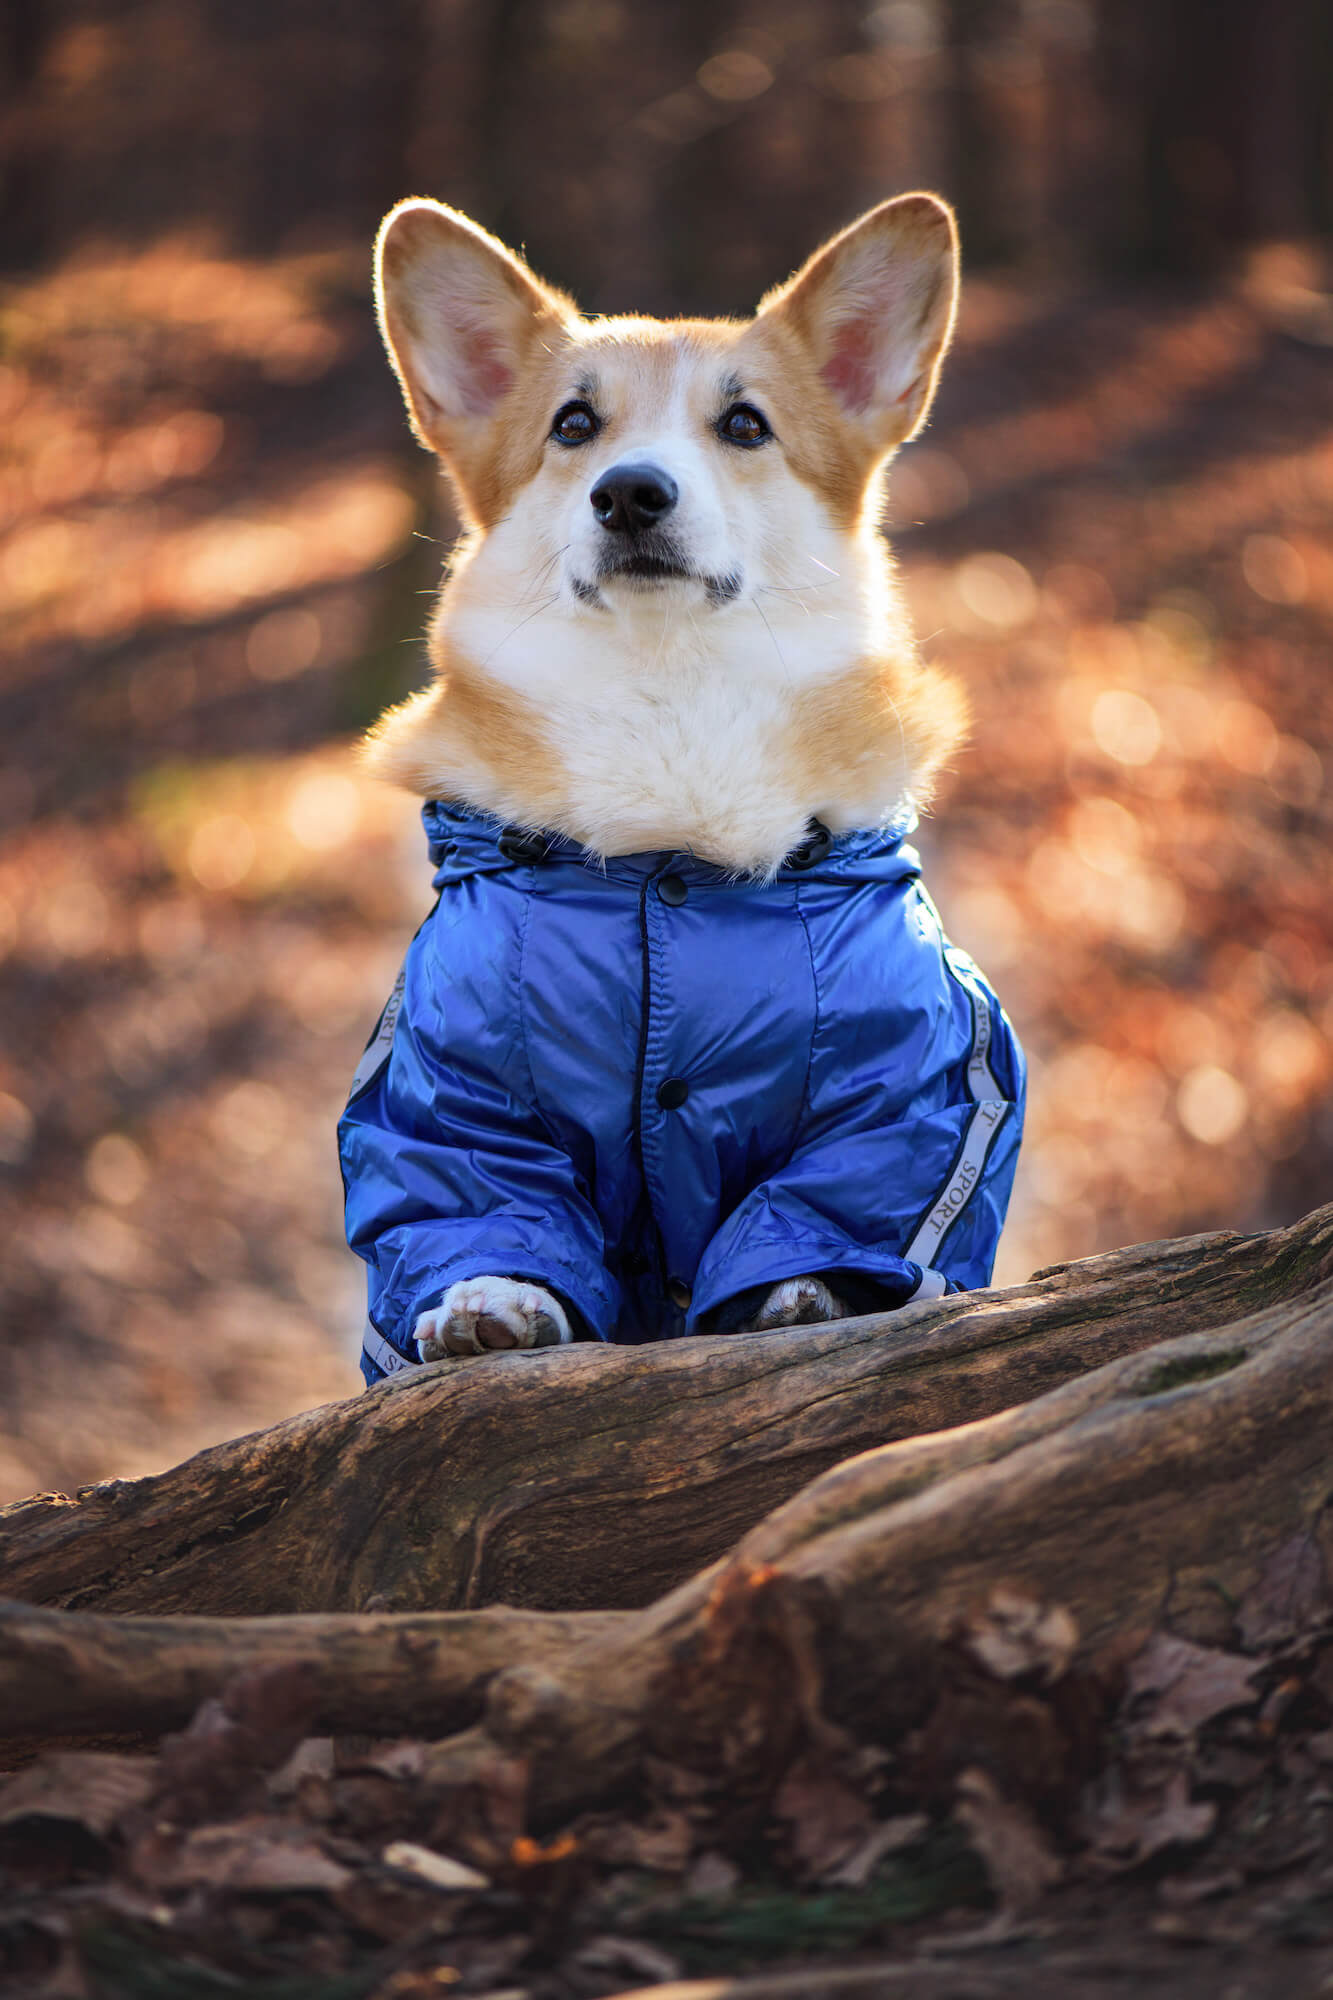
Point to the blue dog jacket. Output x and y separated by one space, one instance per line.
650 1087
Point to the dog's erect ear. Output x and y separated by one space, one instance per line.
460 316
874 309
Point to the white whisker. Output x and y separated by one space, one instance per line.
555 599
773 636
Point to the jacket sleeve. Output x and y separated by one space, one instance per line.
904 1162
448 1169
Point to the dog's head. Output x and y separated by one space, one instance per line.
629 458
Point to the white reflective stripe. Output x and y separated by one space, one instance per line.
384 1357
982 1130
930 1285
981 1133
980 1076
376 1052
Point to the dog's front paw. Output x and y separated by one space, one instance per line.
797 1302
480 1314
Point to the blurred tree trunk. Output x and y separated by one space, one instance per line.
1220 113
989 59
26 31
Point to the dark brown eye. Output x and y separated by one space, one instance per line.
574 424
742 424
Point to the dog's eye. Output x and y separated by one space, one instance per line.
742 424
575 424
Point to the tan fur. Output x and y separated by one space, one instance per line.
467 721
865 716
843 360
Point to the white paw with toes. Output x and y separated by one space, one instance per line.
798 1302
483 1315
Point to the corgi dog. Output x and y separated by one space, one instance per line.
670 639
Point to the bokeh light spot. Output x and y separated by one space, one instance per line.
18 1129
1212 1104
250 1119
1274 570
77 919
1125 726
1104 835
221 852
928 485
115 1170
735 75
1245 738
323 811
1151 912
283 644
1297 772
1291 1055
995 590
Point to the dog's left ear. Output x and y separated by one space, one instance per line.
874 309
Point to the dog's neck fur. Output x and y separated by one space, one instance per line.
649 724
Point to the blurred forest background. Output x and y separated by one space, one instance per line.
217 544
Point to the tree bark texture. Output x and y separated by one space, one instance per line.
1159 1488
594 1477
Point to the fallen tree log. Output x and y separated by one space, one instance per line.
1157 1490
83 1673
1185 1489
594 1477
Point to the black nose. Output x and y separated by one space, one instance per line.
630 498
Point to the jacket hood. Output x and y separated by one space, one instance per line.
463 843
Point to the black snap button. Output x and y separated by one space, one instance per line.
679 1294
671 1093
516 843
812 849
672 890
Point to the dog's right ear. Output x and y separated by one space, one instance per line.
461 317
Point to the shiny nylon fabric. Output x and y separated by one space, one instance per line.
853 1098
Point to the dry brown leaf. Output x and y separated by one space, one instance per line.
887 1836
249 1856
1174 1687
1128 1827
1182 1892
441 1871
251 1729
620 1956
479 1797
1015 1636
1291 1596
664 1842
826 1819
1016 1854
84 1788
712 1875
311 1759
1320 1746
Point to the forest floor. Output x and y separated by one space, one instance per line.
217 545
1161 1823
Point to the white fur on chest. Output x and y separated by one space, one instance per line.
673 722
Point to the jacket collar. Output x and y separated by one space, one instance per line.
464 843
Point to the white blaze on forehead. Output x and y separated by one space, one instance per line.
672 398
658 407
